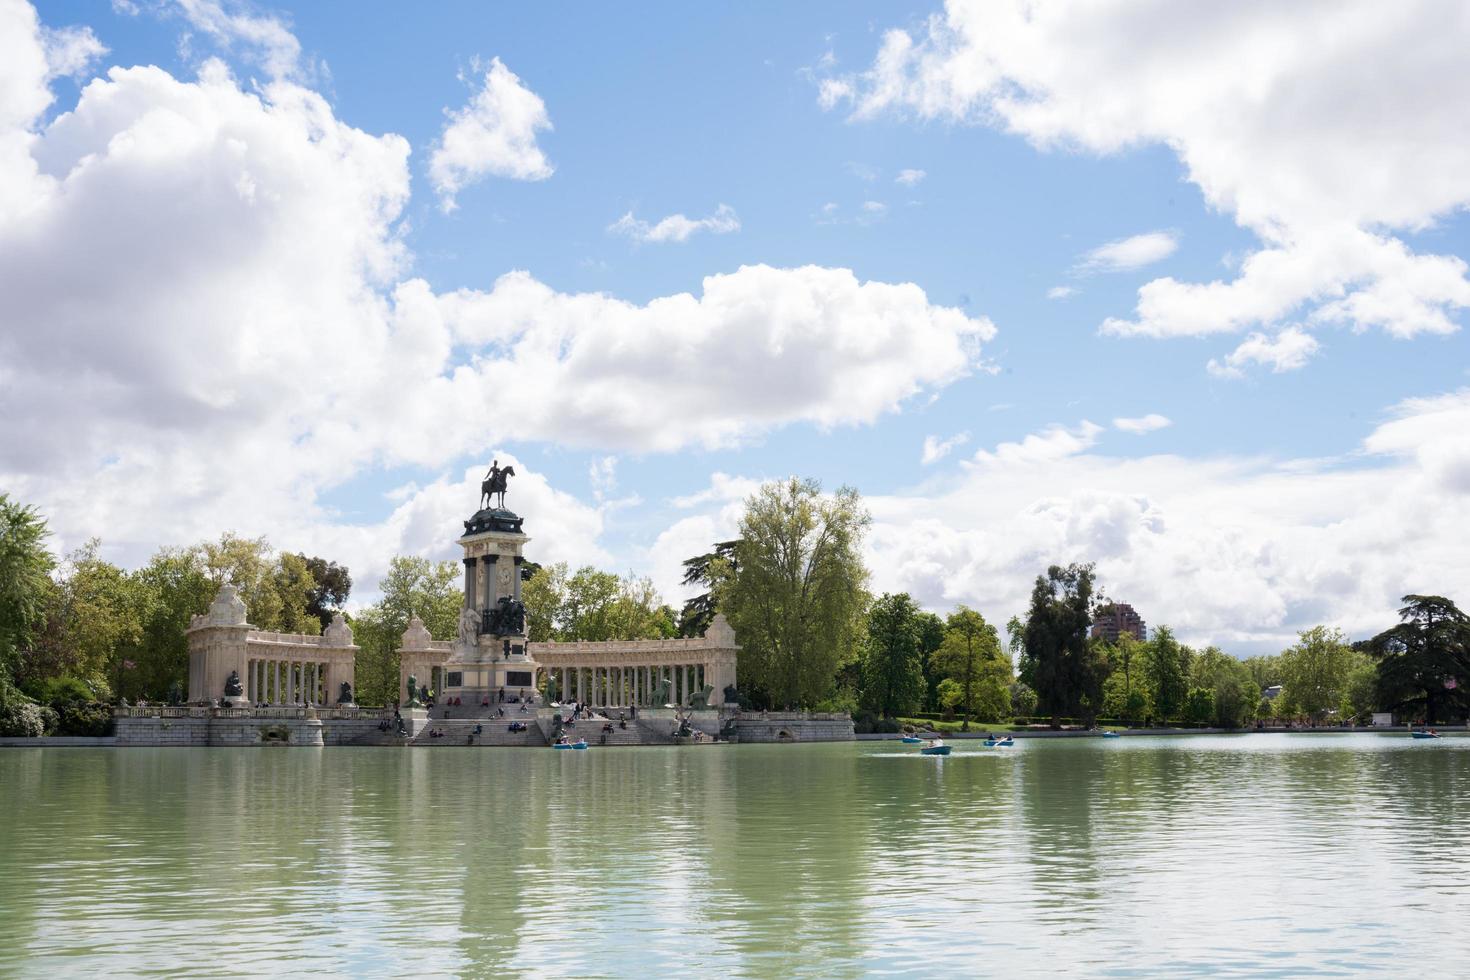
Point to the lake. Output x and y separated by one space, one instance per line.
1251 854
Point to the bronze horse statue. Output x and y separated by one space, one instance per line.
494 483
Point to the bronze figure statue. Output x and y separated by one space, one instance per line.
494 483
233 689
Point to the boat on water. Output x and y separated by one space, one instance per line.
579 745
912 740
938 748
1111 735
1000 743
1425 734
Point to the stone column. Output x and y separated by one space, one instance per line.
515 585
276 686
469 584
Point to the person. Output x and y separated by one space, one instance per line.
502 694
478 729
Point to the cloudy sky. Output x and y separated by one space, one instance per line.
1174 287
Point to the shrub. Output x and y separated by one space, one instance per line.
21 719
92 718
886 726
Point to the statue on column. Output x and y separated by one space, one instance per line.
469 626
413 692
233 688
345 697
494 483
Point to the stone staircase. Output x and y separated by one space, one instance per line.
457 731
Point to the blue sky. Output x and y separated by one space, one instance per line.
792 119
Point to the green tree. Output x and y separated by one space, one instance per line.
177 587
25 584
331 584
1360 698
544 595
1023 699
1059 663
797 601
1424 661
714 570
893 674
931 636
1315 672
1230 683
412 586
104 609
1166 672
970 656
1199 706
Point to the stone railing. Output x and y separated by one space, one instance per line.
273 712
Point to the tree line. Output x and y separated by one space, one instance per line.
82 631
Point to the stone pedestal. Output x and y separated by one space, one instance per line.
415 720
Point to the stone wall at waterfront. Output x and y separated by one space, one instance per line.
198 726
794 726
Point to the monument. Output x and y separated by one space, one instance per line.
490 653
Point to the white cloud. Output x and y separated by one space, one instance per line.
1240 551
936 448
1060 292
1288 350
1147 423
267 40
493 135
1322 160
910 178
602 473
1052 443
207 328
676 227
1127 254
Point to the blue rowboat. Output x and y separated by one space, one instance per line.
934 750
1111 735
999 743
570 745
912 740
1424 735
579 746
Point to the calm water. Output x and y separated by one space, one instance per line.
1249 855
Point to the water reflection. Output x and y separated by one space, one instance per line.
1287 854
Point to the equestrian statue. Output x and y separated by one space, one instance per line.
494 483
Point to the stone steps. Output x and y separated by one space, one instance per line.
457 731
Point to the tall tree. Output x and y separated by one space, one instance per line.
893 673
930 628
970 658
798 599
412 586
1315 672
25 584
1058 661
331 584
1424 661
713 571
1166 671
1229 681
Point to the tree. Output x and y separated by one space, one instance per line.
930 629
25 569
714 571
544 596
1230 683
893 673
412 586
798 599
104 609
1125 694
970 657
1315 672
331 584
1058 661
594 605
1424 661
1166 671
1199 705
1023 699
177 587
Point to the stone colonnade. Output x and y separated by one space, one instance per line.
634 685
631 673
272 668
